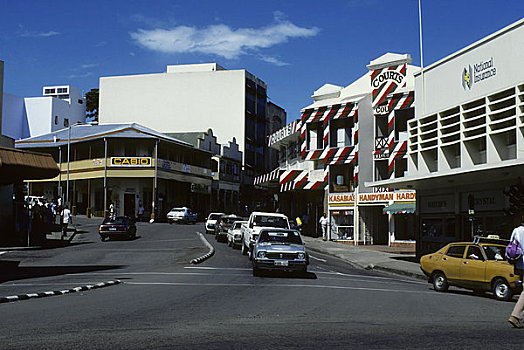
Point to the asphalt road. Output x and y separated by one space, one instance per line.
164 302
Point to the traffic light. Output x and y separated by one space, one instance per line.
515 194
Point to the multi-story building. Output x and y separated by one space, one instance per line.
126 164
347 137
195 97
226 169
190 98
465 147
58 107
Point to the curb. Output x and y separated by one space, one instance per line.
206 256
59 292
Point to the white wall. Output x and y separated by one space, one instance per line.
178 102
41 112
14 120
443 80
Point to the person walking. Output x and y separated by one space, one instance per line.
323 224
66 219
518 311
299 223
140 211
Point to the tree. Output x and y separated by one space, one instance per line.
92 105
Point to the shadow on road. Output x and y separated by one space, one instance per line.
10 271
284 274
412 259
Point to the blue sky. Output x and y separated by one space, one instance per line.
294 46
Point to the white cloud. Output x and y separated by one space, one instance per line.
78 76
34 34
273 60
221 39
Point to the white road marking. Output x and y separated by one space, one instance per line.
2 253
318 259
181 284
216 268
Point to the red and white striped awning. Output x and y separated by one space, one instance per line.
272 176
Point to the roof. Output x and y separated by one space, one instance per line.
17 165
88 132
189 137
400 208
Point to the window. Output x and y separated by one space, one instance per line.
456 251
49 91
56 120
315 136
474 253
494 252
62 90
341 132
66 122
80 102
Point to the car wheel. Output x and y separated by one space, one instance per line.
440 282
102 238
244 249
502 290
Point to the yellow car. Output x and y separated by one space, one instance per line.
477 266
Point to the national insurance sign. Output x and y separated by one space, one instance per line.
131 161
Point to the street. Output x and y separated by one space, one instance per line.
164 302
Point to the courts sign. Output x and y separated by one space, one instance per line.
131 161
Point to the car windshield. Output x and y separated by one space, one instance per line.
288 237
237 225
229 221
214 217
271 221
119 220
494 252
178 209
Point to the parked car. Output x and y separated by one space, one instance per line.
181 215
223 225
117 226
211 221
234 234
279 249
477 266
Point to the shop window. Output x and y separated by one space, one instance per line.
432 228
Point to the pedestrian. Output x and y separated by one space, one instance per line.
140 211
323 224
111 210
299 223
66 220
518 311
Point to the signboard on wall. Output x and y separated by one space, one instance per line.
378 197
131 162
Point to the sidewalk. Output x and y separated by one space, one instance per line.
379 258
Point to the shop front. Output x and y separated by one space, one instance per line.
372 218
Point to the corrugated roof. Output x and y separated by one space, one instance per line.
17 165
87 132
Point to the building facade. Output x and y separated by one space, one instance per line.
347 137
226 169
127 165
465 147
191 98
58 107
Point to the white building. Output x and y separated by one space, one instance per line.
466 142
59 107
191 98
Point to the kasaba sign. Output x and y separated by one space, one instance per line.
131 161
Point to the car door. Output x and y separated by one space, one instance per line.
473 267
451 261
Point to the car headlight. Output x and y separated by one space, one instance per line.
261 254
301 255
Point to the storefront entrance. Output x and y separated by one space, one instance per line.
129 204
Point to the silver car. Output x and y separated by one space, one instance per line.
234 234
279 249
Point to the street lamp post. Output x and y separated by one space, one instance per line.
68 158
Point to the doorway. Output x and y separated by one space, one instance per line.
129 204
